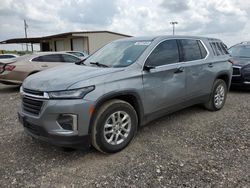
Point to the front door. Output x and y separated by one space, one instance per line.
165 82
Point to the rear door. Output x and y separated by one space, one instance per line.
164 84
193 54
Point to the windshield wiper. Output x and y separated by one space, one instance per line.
98 64
81 62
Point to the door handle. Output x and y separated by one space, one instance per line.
179 70
210 65
44 65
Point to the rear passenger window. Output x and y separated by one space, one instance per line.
202 49
49 58
165 53
191 50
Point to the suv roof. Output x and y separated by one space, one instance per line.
168 37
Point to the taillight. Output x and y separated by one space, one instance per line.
9 67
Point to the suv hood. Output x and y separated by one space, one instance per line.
241 61
62 77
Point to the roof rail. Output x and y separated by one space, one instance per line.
245 42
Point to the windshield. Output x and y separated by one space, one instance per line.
118 54
240 51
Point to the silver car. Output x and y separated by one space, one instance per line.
127 83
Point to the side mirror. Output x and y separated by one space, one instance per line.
148 67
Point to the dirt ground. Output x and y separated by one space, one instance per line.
189 148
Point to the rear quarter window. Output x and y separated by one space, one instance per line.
219 48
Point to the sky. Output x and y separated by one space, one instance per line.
228 20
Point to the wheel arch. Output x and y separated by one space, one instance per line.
130 97
226 77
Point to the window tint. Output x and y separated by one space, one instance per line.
219 48
40 59
6 56
224 48
77 54
165 53
191 50
202 49
49 58
215 49
69 58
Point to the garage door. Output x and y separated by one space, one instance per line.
77 44
59 45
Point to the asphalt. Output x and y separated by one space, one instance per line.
189 148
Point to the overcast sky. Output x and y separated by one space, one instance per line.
228 20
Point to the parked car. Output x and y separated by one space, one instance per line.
79 54
6 57
241 67
122 86
14 71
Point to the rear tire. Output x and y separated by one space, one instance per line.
114 127
218 96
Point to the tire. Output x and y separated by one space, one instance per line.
107 123
219 89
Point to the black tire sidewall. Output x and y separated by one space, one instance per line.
100 140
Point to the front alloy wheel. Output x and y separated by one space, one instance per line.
117 128
114 126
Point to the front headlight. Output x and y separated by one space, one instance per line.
71 94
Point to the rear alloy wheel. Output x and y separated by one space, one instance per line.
218 96
114 127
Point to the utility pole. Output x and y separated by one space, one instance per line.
174 23
25 31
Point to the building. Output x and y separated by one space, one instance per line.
88 41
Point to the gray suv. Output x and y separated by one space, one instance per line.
103 100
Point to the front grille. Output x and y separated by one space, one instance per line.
32 106
33 92
236 71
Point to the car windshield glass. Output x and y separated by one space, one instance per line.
240 51
118 54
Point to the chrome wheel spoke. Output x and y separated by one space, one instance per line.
111 138
108 132
108 125
116 137
117 127
219 96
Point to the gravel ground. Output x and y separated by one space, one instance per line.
190 148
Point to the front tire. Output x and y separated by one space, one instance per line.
114 126
218 96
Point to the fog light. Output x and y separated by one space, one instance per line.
68 121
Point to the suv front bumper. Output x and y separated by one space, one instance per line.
45 126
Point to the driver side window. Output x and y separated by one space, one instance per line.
165 53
